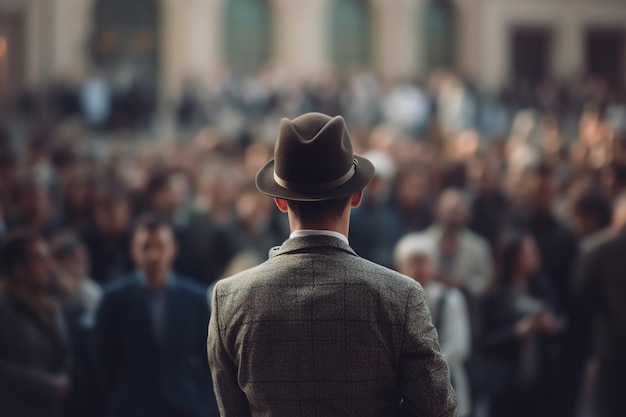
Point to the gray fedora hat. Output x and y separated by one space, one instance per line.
314 161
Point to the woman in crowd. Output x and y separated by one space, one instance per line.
519 325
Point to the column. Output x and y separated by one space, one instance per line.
300 34
395 37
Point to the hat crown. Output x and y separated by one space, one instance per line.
313 149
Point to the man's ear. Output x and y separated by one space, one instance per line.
355 199
281 204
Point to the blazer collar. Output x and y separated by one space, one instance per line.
306 243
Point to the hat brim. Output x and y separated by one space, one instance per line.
362 176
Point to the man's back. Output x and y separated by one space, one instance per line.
316 330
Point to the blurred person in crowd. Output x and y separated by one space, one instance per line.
591 217
406 105
254 227
34 347
218 182
78 201
205 248
464 257
76 289
519 325
95 100
151 330
107 239
317 330
602 286
558 248
80 297
618 221
615 179
33 207
411 198
374 227
8 162
489 203
416 256
555 240
36 155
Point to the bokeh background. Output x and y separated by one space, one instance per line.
515 110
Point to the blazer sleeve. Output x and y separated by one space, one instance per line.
231 400
424 374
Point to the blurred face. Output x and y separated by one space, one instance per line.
421 267
154 251
453 210
544 195
35 204
76 265
169 198
528 260
114 216
411 189
37 271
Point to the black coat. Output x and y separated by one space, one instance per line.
141 376
32 353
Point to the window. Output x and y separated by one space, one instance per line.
125 38
247 34
351 22
531 49
438 34
605 54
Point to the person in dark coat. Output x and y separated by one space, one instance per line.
151 330
601 282
519 325
34 350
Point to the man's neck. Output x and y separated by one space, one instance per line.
340 226
157 281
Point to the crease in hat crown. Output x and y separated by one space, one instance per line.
313 156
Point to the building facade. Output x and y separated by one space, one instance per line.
166 42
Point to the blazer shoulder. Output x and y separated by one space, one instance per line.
119 286
187 285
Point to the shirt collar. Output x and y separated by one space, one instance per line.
302 233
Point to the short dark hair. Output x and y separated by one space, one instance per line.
307 211
150 222
594 204
65 244
14 250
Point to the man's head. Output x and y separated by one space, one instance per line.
70 255
25 261
314 161
166 192
416 256
153 247
592 212
314 174
453 210
113 211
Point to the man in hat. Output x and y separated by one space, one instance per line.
317 330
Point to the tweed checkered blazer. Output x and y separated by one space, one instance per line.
318 331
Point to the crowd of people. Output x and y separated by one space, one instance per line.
508 209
